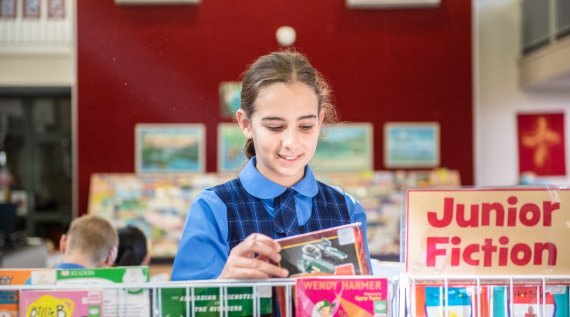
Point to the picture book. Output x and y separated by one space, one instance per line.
528 301
430 301
342 296
73 303
176 301
116 302
9 299
495 301
334 251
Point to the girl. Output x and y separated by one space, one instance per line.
284 102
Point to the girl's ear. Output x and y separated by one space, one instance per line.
244 123
321 118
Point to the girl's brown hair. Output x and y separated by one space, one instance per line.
283 67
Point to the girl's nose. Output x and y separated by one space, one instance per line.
290 139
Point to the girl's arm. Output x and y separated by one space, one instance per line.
204 252
203 249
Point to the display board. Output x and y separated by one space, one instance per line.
157 204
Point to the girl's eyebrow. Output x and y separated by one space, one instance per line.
310 116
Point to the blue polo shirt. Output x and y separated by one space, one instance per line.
68 266
204 250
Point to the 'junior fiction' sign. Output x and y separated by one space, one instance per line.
488 232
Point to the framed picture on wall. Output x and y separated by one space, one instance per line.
345 148
230 147
8 9
411 145
170 148
31 9
230 98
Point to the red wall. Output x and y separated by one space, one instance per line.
163 64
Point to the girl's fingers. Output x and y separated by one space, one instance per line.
257 265
260 244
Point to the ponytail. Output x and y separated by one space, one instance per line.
249 149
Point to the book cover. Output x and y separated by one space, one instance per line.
73 303
430 301
175 301
528 301
116 302
334 251
342 296
9 299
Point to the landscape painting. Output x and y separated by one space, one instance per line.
170 148
411 144
230 147
345 148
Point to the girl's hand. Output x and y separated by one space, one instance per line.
242 263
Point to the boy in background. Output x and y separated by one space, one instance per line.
91 242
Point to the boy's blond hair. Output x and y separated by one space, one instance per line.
92 236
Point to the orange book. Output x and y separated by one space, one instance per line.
10 299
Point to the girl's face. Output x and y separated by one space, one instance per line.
285 129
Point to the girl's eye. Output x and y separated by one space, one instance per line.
306 127
274 129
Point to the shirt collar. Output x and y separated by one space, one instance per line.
259 186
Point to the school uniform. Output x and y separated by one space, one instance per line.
223 216
68 266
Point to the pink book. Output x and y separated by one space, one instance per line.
343 297
72 303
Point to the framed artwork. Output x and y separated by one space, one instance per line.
170 148
8 9
410 145
230 147
31 9
230 98
56 9
345 148
541 144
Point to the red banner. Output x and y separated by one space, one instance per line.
541 144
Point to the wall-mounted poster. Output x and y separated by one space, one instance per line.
170 148
344 148
541 144
410 145
8 9
230 147
31 9
230 98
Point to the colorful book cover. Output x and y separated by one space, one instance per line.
528 301
343 297
462 301
333 251
116 302
9 299
174 302
61 303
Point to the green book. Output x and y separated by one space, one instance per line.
116 302
207 301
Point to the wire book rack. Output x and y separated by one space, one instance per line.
407 306
402 292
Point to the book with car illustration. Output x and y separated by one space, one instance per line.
334 251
